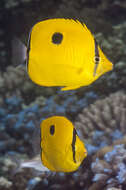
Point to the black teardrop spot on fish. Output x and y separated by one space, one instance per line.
57 38
52 129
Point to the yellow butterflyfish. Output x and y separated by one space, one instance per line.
61 148
63 52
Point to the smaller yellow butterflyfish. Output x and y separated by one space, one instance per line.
63 52
61 148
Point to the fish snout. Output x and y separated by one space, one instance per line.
105 67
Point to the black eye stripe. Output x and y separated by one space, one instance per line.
57 38
96 49
96 58
52 129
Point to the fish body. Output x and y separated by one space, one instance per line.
63 52
61 148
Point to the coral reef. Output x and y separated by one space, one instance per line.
103 121
15 81
105 170
23 105
19 121
111 170
99 125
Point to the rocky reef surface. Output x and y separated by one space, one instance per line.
97 111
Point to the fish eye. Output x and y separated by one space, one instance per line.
96 59
52 129
57 38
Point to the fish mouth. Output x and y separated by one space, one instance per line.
104 69
109 67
